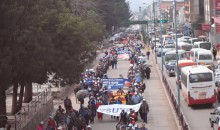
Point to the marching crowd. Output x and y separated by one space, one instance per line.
91 86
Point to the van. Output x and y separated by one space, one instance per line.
204 57
203 44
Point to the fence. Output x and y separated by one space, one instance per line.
30 108
182 119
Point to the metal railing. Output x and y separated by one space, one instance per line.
30 108
181 117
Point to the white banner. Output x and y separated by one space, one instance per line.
115 109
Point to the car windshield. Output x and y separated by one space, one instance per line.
186 47
169 57
200 77
206 46
205 57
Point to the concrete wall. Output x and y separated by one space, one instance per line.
40 115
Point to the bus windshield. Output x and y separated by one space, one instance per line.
205 57
200 77
186 47
206 46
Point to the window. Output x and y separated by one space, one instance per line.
206 46
200 77
169 57
184 79
205 57
186 47
195 46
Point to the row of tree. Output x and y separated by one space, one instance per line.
40 37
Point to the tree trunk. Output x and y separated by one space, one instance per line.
28 93
21 95
14 98
3 118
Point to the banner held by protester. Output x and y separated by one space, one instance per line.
115 109
114 83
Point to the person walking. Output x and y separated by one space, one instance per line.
41 126
67 104
214 52
148 54
123 117
115 61
143 127
144 110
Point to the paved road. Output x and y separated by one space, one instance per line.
197 116
160 116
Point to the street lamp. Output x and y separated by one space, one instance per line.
177 58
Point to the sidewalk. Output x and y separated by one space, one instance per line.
160 116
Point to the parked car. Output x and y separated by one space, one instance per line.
170 67
214 116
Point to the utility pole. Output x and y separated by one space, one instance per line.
177 58
155 32
161 40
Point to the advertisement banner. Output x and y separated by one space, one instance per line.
114 83
115 109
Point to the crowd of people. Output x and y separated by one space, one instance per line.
91 82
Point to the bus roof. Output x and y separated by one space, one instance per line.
174 52
195 69
201 42
167 36
204 51
197 49
183 63
184 43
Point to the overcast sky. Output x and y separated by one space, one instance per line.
135 4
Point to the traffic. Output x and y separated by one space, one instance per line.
196 74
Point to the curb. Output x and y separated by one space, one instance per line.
165 91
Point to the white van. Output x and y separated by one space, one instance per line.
192 53
203 44
204 57
171 55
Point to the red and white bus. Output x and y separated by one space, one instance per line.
198 85
181 64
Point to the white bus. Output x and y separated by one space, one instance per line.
171 55
186 47
203 44
198 85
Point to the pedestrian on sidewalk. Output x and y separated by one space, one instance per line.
214 52
148 54
41 126
144 109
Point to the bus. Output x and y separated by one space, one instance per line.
179 35
165 38
203 44
181 64
171 55
193 40
186 47
198 85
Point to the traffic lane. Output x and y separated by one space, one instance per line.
196 116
